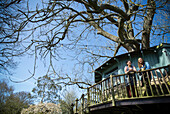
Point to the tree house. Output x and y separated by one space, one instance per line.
109 94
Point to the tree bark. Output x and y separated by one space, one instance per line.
148 24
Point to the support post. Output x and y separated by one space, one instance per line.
76 106
112 91
88 99
72 105
82 104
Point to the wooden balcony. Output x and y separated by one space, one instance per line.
146 87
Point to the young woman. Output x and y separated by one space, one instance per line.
145 76
130 78
143 65
129 67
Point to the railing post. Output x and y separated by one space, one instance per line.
101 92
112 91
82 104
72 105
76 106
88 99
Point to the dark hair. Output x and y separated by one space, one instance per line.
128 60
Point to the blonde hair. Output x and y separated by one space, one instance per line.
140 64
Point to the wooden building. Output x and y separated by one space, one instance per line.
157 56
110 93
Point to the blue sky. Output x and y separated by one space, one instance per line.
26 65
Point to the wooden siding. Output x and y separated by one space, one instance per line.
155 56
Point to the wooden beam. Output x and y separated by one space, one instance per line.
140 101
131 102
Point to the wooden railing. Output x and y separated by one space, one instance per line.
149 83
83 106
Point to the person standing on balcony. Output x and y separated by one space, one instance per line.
145 76
130 78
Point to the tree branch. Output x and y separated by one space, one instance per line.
126 5
117 49
112 8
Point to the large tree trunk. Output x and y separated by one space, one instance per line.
148 24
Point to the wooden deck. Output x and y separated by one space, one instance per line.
130 102
120 91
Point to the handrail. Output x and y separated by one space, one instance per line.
126 74
141 84
124 86
82 101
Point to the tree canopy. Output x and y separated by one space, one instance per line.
47 90
13 103
88 31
